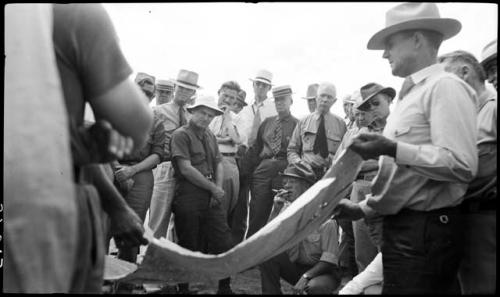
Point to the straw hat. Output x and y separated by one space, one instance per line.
167 85
187 79
368 91
412 15
489 52
142 76
282 91
312 91
206 101
264 76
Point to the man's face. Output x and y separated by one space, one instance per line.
202 116
377 107
283 104
183 95
400 53
491 73
295 186
261 89
326 98
149 89
311 103
227 97
163 96
362 118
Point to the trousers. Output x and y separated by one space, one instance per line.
161 201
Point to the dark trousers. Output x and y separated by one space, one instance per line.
264 179
422 251
239 217
139 199
199 227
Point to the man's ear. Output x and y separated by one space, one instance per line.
464 72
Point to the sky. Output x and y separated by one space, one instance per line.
300 43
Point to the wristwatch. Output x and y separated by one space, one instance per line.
306 276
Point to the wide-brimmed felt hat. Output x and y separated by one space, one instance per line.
489 52
241 97
141 76
281 91
206 101
163 84
370 90
312 91
408 16
187 79
264 76
301 171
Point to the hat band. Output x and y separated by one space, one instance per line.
187 83
263 78
282 93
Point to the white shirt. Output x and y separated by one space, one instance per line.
266 108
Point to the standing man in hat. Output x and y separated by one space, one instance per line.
174 115
477 272
147 84
348 110
489 62
269 153
312 90
200 219
311 265
432 136
228 140
317 136
164 91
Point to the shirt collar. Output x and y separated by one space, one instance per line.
424 73
317 114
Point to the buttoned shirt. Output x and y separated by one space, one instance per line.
435 129
320 245
262 145
219 128
187 143
302 142
247 114
168 114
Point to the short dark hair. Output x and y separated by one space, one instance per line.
232 85
467 58
435 38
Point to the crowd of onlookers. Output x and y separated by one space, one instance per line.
207 172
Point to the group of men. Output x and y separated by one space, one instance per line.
210 170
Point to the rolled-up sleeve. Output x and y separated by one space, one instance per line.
295 145
158 137
329 242
180 145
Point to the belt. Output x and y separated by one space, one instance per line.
228 154
366 176
476 205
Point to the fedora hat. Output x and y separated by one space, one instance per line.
489 52
187 79
301 171
142 76
408 16
282 91
264 76
163 84
241 97
312 91
370 90
206 101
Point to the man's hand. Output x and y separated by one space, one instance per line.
124 173
217 196
371 145
127 228
300 286
348 210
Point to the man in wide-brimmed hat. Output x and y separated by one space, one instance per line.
173 115
198 203
477 272
489 62
147 84
311 93
311 266
164 91
268 156
317 136
432 137
348 102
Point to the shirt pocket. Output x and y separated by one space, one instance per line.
413 134
197 155
333 143
308 138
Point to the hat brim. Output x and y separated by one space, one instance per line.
242 102
191 87
486 61
297 177
445 26
191 108
262 81
308 98
388 91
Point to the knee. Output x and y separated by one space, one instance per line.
322 285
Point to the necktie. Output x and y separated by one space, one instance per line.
208 152
182 117
255 127
320 144
407 85
276 139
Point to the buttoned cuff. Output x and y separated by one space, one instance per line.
367 210
406 153
329 257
